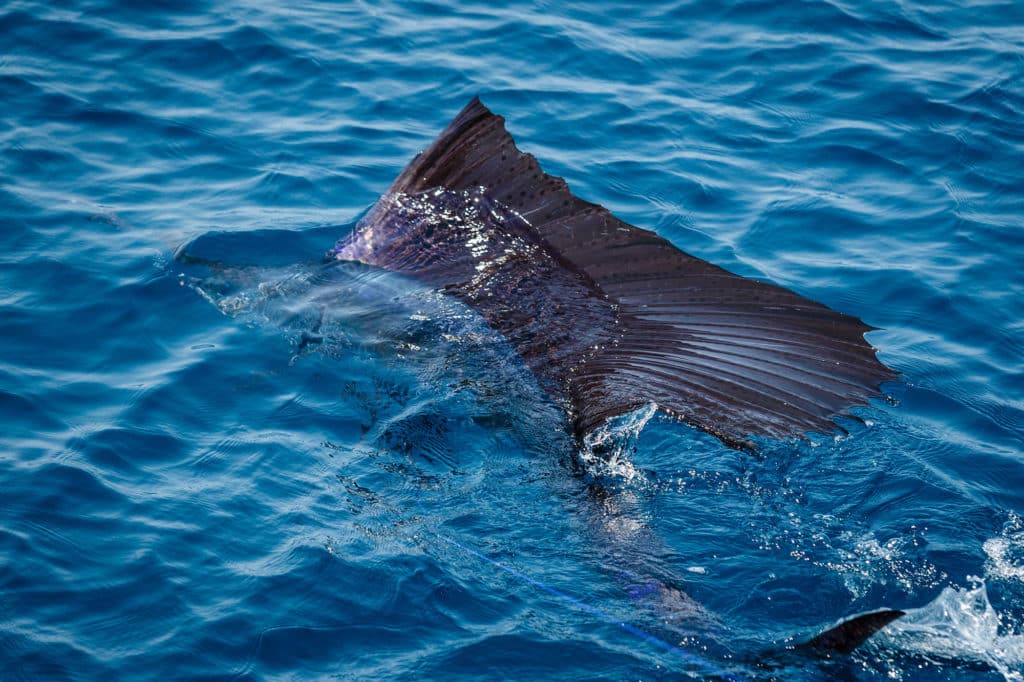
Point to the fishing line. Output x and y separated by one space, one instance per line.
705 666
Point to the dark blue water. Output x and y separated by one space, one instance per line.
260 470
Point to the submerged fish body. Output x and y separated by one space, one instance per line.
608 316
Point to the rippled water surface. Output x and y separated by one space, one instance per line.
221 459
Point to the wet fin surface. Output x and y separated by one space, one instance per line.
853 632
730 355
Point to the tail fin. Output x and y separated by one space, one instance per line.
852 632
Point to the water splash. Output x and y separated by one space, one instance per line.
961 625
1006 552
607 450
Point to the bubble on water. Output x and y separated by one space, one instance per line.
871 561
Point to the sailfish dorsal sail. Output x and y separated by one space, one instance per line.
610 316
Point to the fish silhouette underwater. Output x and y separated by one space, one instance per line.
611 317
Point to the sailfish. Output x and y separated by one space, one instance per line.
611 317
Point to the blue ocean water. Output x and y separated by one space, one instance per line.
219 462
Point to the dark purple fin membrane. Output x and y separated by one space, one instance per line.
730 355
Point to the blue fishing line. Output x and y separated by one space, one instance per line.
705 666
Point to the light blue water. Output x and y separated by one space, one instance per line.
284 474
